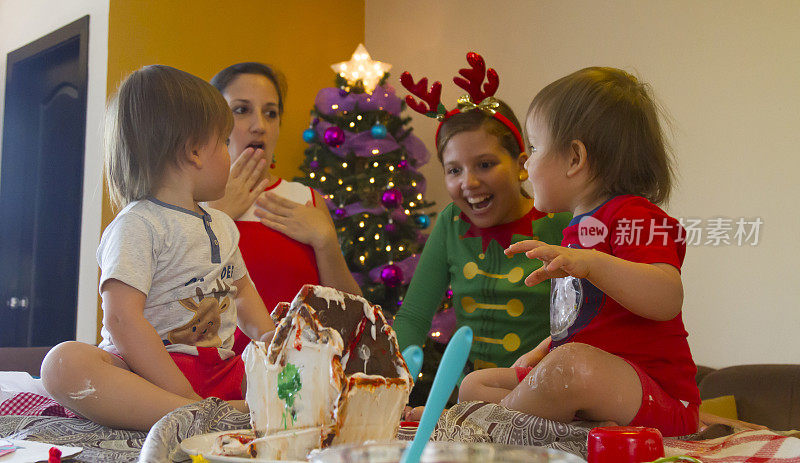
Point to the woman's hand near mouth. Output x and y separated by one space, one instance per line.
243 186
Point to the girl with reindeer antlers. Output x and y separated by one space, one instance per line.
480 147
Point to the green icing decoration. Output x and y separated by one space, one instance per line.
289 386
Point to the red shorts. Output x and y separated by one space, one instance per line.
657 410
209 375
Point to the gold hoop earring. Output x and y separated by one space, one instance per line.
523 175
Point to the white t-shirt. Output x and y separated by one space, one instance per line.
186 263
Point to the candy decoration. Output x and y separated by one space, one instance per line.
392 198
391 275
54 455
289 386
423 220
309 135
334 136
378 131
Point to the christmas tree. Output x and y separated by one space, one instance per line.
364 159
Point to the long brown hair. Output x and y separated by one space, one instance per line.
616 118
156 112
224 78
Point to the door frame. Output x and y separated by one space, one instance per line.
76 30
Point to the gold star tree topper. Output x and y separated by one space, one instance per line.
362 67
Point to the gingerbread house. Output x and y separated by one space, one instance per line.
334 363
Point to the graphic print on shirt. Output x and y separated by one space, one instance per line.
574 302
203 329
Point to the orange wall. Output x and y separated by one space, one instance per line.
301 38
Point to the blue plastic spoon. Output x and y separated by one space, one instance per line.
450 369
413 357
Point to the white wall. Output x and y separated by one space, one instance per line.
21 22
728 72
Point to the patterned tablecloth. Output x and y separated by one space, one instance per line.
465 422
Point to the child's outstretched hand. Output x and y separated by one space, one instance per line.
557 261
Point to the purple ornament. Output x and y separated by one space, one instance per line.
343 93
391 227
334 136
449 293
391 275
313 164
402 164
315 121
392 198
339 212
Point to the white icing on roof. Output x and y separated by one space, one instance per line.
330 295
369 312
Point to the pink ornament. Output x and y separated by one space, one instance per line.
392 275
402 164
392 198
334 136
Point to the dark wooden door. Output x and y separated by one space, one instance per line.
41 187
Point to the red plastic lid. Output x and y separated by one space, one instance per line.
625 444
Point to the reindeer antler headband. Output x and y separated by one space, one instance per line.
476 98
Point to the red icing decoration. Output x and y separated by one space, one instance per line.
297 344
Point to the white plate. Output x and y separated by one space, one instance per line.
204 443
28 451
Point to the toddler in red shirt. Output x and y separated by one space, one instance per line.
618 350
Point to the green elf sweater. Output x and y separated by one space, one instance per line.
489 292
